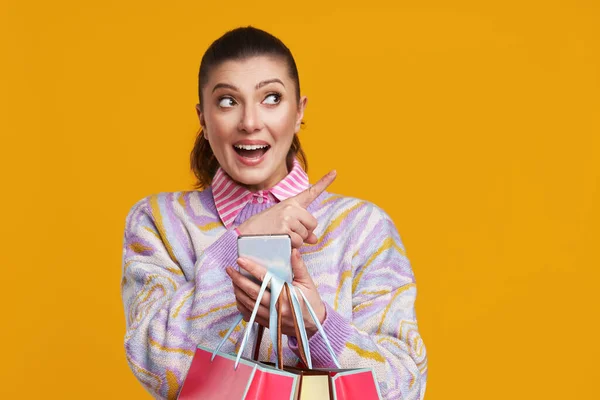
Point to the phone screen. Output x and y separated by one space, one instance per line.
273 252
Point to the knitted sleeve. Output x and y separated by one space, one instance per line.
170 301
383 333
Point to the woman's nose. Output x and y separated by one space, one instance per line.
250 121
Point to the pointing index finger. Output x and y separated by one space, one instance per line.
309 195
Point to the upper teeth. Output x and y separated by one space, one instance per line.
250 146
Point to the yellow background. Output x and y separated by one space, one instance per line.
474 124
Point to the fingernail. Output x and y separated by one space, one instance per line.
242 261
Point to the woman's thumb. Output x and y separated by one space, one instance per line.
299 268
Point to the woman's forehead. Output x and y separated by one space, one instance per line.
250 71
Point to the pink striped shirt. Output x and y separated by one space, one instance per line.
230 197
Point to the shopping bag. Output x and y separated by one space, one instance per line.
218 379
341 384
214 375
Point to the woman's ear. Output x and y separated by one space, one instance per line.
300 113
201 119
200 115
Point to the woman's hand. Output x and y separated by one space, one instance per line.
289 216
246 292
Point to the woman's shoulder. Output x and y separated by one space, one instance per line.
363 220
179 202
338 204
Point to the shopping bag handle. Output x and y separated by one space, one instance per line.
277 286
239 318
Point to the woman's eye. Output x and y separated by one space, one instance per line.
273 98
226 102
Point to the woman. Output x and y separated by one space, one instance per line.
179 288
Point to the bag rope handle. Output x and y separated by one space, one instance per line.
277 286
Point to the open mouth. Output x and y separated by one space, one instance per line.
251 151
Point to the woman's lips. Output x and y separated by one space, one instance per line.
251 157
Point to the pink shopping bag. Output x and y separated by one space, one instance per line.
220 380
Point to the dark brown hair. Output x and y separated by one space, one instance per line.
239 44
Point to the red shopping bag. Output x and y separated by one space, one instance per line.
219 379
218 376
359 384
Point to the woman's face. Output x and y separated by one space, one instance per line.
249 116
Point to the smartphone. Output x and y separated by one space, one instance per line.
273 252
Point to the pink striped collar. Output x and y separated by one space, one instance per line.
230 197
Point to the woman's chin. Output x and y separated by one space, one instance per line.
251 178
258 179
262 175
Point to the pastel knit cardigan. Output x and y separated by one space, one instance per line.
176 293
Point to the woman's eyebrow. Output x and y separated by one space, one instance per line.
258 85
225 86
274 80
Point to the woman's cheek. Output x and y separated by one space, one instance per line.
227 121
281 124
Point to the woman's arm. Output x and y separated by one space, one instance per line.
383 333
172 302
